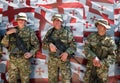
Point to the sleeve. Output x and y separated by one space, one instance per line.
5 41
72 44
35 44
45 42
87 48
111 53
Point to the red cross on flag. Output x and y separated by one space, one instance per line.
39 70
78 70
105 10
1 9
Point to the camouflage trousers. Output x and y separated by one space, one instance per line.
96 74
19 68
57 67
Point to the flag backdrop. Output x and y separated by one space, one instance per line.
79 16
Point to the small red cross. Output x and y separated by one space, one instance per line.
87 24
39 71
73 12
93 18
102 8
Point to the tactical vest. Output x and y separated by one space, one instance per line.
25 35
99 47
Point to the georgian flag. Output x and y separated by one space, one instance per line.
39 68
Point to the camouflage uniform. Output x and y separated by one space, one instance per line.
1 50
1 47
102 47
118 51
55 64
18 64
118 48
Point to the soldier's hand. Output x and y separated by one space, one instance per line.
64 56
96 62
27 55
10 31
52 47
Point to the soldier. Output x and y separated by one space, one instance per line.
56 37
19 59
99 50
1 47
118 47
118 51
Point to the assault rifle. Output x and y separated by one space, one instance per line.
60 47
20 43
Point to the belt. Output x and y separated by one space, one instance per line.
17 55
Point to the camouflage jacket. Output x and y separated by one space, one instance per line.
1 50
64 35
102 47
118 48
27 35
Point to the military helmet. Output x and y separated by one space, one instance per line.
103 22
22 16
57 16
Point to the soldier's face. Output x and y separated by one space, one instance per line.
57 23
101 29
21 23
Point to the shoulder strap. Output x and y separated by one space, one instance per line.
51 32
66 28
